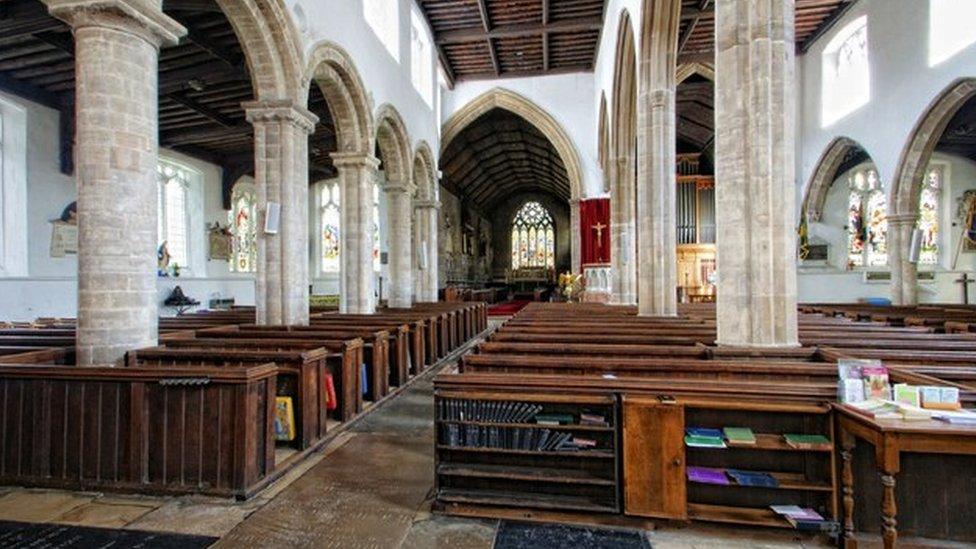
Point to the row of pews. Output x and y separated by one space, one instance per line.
196 413
650 379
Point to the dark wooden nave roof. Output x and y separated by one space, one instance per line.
202 83
499 154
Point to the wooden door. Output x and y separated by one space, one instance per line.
654 459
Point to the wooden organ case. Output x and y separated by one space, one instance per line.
695 231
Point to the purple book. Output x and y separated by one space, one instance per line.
707 475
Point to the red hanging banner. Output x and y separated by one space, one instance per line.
595 231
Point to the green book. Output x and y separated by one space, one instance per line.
806 441
554 419
741 436
694 441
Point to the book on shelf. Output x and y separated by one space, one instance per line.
707 475
739 436
753 478
889 409
693 441
593 419
806 442
487 411
704 432
554 419
804 518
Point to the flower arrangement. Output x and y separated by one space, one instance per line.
570 285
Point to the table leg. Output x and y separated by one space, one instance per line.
847 489
888 511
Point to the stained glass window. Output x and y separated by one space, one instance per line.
376 227
243 226
329 216
172 220
928 217
533 237
867 220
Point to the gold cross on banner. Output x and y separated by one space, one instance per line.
599 233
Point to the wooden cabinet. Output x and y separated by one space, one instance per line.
654 458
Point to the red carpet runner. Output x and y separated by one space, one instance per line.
507 308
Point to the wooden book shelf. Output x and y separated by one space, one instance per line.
480 462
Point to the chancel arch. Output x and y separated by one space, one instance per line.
623 186
393 145
943 126
333 74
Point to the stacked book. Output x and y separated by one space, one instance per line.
723 477
807 442
804 518
957 417
487 411
593 419
700 437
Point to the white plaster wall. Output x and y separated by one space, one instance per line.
385 79
902 86
563 96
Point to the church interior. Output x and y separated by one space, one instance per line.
487 274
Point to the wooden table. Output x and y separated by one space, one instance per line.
890 438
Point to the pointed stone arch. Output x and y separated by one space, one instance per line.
841 152
687 70
603 143
332 69
394 144
623 166
907 182
508 100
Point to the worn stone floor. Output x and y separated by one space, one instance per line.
371 487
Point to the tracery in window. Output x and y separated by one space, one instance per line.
174 181
243 225
928 217
846 82
533 237
867 220
329 216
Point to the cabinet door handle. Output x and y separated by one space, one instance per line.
676 462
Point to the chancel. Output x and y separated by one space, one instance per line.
488 273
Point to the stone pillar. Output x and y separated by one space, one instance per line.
399 217
904 274
623 235
281 130
357 172
116 105
755 92
427 216
575 236
656 199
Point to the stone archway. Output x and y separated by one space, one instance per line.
333 71
394 145
508 100
603 143
687 70
426 208
907 185
623 164
656 158
842 151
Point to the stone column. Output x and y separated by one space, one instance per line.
427 216
357 172
399 217
116 106
281 130
575 236
904 274
656 199
623 235
755 91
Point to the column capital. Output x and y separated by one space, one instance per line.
141 17
280 110
901 219
354 160
427 204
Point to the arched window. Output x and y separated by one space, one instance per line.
376 227
383 16
243 224
533 237
329 216
421 73
846 82
174 182
867 220
928 216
